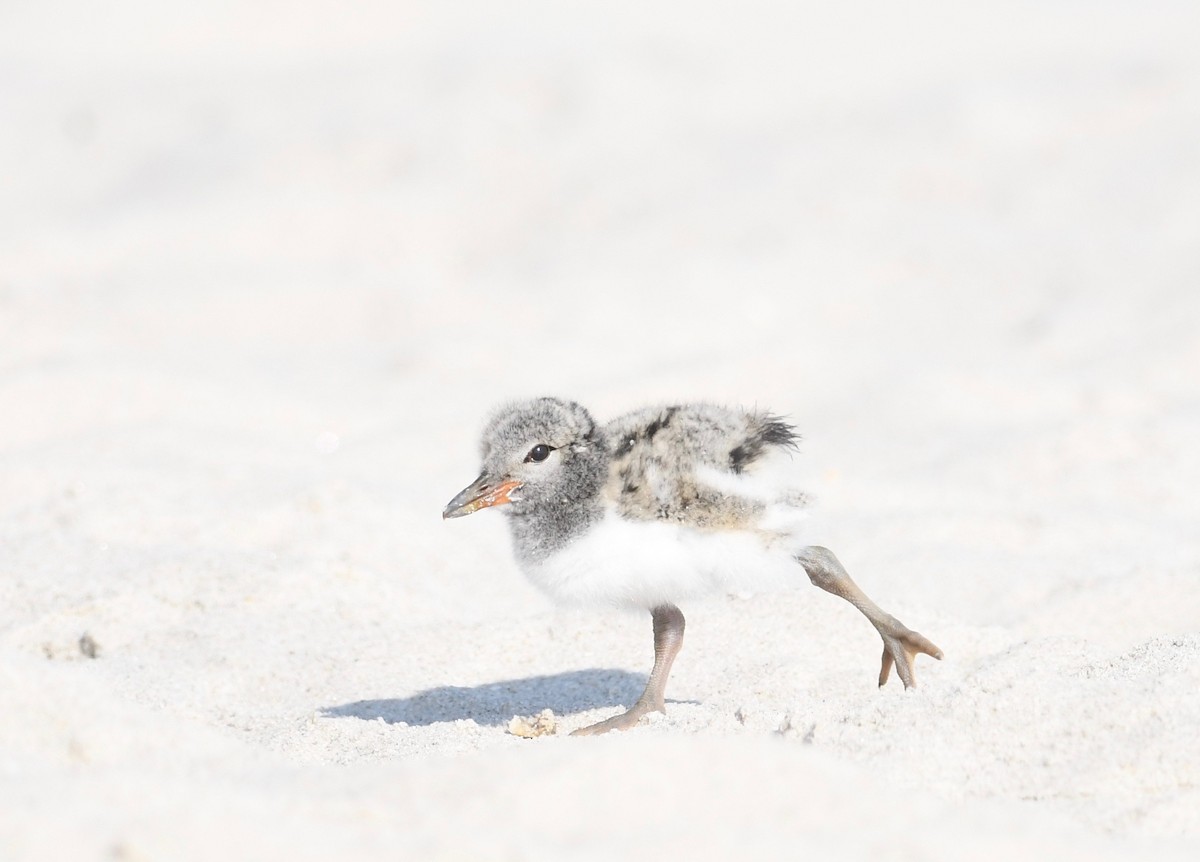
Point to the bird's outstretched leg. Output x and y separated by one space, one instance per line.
900 643
668 638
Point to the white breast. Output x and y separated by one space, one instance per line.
644 564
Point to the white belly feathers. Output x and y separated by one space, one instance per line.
644 564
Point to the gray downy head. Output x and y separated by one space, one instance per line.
545 462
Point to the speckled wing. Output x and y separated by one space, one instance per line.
682 463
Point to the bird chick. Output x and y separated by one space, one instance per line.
658 506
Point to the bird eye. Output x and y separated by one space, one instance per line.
540 452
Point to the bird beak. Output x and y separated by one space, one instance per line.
480 494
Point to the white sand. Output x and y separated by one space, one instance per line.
264 268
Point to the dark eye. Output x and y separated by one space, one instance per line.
540 452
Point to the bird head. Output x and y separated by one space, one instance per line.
544 452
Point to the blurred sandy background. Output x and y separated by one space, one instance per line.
264 267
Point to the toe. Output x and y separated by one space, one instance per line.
900 648
623 721
886 669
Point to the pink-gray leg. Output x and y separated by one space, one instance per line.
668 638
901 645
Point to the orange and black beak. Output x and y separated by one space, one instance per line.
483 492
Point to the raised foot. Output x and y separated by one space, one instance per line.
624 721
901 645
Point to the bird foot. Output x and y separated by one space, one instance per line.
901 645
624 721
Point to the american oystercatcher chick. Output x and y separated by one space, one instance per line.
658 506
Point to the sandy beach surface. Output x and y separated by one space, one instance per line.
265 267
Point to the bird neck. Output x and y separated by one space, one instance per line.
543 530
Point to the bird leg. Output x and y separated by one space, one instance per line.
900 643
668 638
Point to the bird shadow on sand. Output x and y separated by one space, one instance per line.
495 703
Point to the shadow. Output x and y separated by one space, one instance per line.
494 703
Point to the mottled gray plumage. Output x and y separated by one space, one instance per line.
654 507
655 453
643 463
